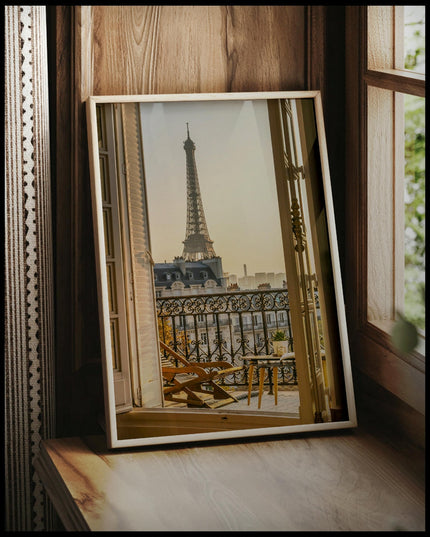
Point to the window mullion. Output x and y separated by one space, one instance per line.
380 199
395 80
399 42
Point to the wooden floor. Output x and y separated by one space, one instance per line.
343 481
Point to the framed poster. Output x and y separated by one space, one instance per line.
220 294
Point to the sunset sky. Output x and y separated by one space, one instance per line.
236 177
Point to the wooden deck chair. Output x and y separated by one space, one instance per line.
194 383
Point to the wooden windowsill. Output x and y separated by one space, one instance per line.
402 376
415 358
327 482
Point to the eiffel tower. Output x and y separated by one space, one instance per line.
197 243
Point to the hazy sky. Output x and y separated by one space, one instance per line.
236 177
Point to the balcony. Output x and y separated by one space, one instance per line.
227 326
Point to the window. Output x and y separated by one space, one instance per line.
395 164
114 267
414 38
414 229
384 97
414 60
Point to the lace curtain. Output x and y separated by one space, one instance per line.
29 330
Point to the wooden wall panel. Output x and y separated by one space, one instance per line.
108 50
192 49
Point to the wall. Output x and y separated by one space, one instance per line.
106 50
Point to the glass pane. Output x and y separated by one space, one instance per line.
414 38
414 307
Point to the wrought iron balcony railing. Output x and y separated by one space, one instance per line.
227 326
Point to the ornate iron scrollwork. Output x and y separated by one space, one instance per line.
227 326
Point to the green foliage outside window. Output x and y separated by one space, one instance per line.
414 307
415 210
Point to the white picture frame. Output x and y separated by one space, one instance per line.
327 403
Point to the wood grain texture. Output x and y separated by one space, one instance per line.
60 112
355 170
405 83
316 49
371 350
404 379
142 424
123 50
380 37
380 195
197 49
322 483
